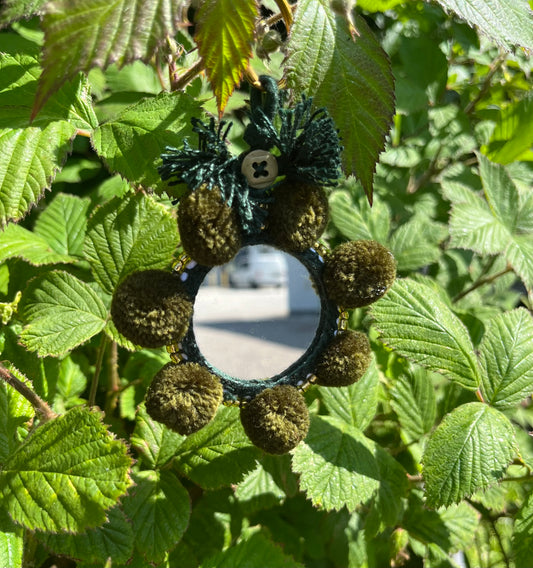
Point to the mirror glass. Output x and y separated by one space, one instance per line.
256 315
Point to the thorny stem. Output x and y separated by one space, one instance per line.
481 282
113 390
179 83
97 369
40 406
498 62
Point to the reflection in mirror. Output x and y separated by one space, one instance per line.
256 315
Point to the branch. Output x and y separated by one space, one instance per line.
39 405
481 282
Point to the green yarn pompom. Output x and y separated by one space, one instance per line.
184 397
297 216
209 228
151 308
276 420
358 273
344 361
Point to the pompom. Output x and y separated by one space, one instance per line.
151 308
276 420
297 216
184 397
209 228
358 273
344 361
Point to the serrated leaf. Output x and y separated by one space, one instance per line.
349 73
356 404
154 441
95 33
11 542
71 382
219 454
413 400
131 143
417 323
12 10
15 411
60 313
114 539
469 450
256 551
339 467
225 43
507 22
159 508
523 533
506 352
63 223
258 490
66 474
18 242
129 234
356 220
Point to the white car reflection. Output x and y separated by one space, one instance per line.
258 266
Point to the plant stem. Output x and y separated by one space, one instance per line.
179 83
39 405
481 282
113 390
97 369
286 13
497 63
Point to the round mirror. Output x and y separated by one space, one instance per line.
256 315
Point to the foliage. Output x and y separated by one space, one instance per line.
427 459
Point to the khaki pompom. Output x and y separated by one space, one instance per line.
184 397
276 420
298 215
345 360
358 273
151 308
209 229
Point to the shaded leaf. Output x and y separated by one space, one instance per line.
469 450
129 234
506 352
114 539
66 474
132 142
507 22
523 533
349 73
60 313
417 323
95 33
12 10
11 543
225 43
159 509
219 454
356 404
154 441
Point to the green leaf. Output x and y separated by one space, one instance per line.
506 352
63 224
256 551
340 467
159 509
523 533
154 441
96 33
11 543
348 72
225 43
219 454
15 411
126 235
357 404
131 143
507 22
356 220
418 324
513 135
259 490
18 242
469 450
12 10
413 400
114 539
60 313
66 474
71 382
